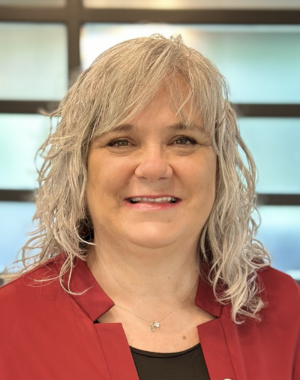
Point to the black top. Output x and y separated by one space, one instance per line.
183 365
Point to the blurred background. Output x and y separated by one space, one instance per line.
44 44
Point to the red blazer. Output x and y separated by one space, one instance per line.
48 334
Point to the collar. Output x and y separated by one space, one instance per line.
94 301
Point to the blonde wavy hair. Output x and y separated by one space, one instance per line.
118 85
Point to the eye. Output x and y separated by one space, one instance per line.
119 143
184 140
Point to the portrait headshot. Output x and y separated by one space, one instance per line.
145 261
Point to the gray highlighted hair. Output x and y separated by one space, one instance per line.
118 85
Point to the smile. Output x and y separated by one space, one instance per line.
135 200
152 204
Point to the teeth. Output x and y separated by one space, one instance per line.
153 200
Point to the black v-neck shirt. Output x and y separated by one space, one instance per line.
183 365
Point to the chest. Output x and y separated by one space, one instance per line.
79 349
175 333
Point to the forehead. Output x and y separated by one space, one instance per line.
166 109
180 126
175 108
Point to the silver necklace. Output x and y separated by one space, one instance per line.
155 324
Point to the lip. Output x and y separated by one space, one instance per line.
152 196
150 206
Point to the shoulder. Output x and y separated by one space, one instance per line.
276 281
33 290
30 278
279 290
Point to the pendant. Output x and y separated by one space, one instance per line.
153 326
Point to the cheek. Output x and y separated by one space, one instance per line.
96 180
205 190
105 179
202 175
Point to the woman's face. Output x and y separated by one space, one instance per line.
150 182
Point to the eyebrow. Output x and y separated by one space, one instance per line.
176 127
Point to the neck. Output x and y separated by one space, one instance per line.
157 275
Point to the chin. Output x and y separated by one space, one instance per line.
152 239
151 243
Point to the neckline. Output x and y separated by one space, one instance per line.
163 354
92 299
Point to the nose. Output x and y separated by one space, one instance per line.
153 166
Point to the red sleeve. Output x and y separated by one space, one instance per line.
296 371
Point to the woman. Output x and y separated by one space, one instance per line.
148 268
